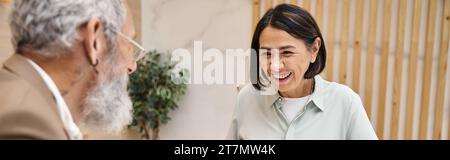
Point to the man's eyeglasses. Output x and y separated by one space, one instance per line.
138 50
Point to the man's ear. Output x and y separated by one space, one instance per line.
315 49
92 33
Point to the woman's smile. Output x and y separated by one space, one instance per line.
282 78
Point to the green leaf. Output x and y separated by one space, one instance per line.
154 91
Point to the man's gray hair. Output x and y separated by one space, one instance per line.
47 26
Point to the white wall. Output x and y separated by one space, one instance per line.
205 112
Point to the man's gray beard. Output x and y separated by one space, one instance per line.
108 107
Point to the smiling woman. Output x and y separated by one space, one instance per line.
290 55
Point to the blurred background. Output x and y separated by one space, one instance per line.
393 53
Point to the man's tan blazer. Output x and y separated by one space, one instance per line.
27 107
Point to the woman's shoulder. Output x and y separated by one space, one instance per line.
248 92
250 96
334 92
341 89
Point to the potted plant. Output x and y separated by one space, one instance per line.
155 88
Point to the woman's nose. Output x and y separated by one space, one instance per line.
277 63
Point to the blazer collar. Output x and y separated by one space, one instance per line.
19 66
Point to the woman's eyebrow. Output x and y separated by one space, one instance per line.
287 47
281 48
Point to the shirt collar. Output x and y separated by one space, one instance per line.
317 97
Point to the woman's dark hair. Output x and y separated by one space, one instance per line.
298 23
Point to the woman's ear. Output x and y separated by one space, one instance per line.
91 35
315 49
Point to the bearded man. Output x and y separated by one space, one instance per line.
70 69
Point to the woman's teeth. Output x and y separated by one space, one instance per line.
281 76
